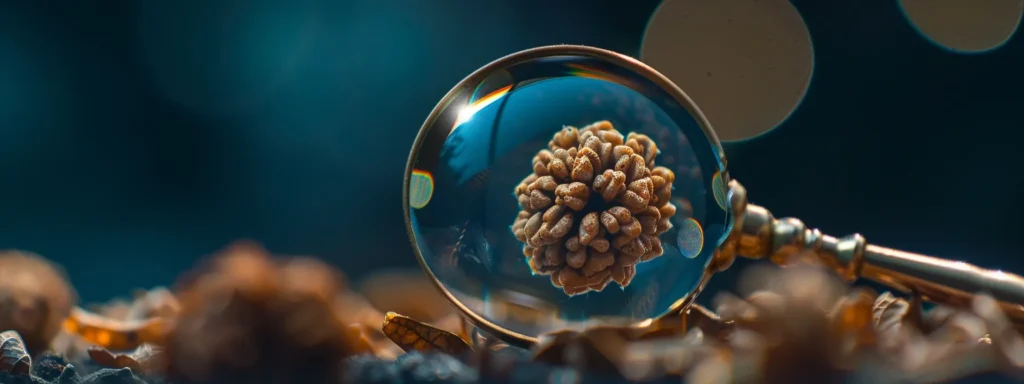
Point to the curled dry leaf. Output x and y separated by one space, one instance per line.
14 359
892 319
145 358
412 335
108 333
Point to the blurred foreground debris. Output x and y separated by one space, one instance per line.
248 318
244 316
145 358
800 324
35 298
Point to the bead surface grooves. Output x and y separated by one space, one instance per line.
593 208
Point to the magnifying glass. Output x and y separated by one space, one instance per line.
566 186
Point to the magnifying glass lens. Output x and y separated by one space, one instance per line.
562 186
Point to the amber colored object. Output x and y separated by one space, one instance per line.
114 334
411 335
144 358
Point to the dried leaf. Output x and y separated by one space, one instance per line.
889 312
412 335
113 334
708 322
144 358
14 359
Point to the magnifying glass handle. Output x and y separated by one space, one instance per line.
757 234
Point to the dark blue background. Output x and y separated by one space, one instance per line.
138 136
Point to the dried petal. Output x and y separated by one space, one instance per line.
412 335
14 359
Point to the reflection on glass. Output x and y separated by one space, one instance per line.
690 238
565 190
720 190
421 189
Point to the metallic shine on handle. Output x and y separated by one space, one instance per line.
757 234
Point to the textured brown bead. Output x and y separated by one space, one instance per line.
583 244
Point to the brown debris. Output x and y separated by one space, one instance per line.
145 358
126 325
118 325
35 297
14 359
607 349
595 349
593 207
114 334
803 325
412 335
249 318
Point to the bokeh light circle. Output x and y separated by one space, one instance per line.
490 132
965 26
727 53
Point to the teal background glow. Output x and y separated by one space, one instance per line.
136 137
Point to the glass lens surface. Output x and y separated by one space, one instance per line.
555 189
